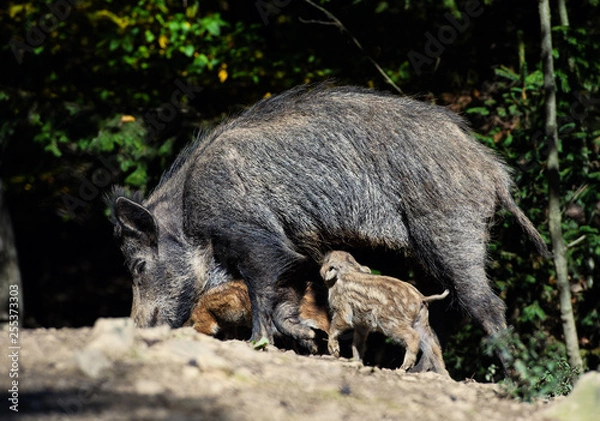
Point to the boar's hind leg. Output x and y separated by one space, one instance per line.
477 297
473 289
459 260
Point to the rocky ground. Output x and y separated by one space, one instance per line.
117 372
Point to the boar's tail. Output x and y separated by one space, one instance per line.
509 204
436 297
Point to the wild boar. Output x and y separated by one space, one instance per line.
269 191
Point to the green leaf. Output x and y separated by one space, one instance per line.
382 7
188 50
166 148
262 343
138 177
536 79
53 148
507 73
149 36
478 110
192 11
201 60
534 311
213 24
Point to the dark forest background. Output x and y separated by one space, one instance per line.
107 92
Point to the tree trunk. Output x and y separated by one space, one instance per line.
562 11
553 175
10 276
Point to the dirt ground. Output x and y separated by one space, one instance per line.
115 371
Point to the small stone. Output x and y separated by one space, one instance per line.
190 372
354 364
186 351
244 373
345 390
154 335
366 369
113 337
92 362
148 387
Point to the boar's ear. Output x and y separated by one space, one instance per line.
136 221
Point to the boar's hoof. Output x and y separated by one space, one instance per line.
334 348
261 334
309 345
292 326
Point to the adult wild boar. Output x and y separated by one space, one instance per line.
304 172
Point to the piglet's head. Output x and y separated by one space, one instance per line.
335 263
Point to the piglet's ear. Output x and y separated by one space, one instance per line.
331 274
136 221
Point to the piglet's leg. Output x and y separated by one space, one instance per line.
338 326
411 341
359 343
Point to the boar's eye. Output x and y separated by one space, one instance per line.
139 267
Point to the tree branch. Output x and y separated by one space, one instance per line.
336 22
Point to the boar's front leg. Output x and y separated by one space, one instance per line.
247 251
262 258
272 306
261 292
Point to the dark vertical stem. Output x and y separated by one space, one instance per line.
555 218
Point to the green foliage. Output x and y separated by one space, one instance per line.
540 368
111 88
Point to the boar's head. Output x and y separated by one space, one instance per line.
168 273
